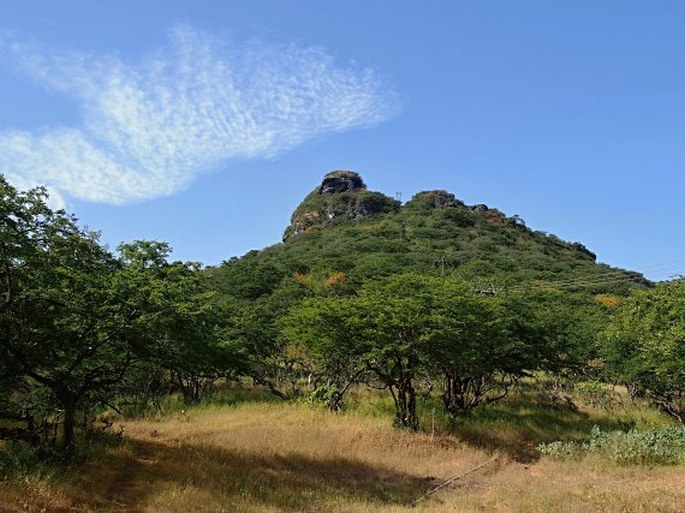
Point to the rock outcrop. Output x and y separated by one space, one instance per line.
434 199
341 181
341 195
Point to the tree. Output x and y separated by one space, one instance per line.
75 318
320 331
63 326
395 323
184 323
476 355
383 331
645 345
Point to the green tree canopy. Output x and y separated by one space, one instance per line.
410 326
645 345
76 318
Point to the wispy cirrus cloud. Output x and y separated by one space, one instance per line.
150 128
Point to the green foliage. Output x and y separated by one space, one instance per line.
645 345
384 295
80 323
384 330
432 234
479 346
65 328
559 450
410 327
17 458
653 447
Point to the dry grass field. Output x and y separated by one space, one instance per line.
271 457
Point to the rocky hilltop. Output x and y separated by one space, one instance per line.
341 181
341 195
342 235
344 195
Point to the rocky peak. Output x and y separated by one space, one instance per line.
341 181
341 195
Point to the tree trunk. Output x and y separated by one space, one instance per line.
459 395
405 404
69 422
453 395
412 416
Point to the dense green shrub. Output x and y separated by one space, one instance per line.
644 346
633 447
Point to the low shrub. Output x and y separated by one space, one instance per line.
560 450
633 447
16 457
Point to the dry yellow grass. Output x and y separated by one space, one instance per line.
288 458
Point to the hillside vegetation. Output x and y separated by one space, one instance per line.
377 351
368 236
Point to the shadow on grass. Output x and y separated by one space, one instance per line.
123 480
222 395
518 425
513 426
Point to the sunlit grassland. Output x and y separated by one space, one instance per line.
267 456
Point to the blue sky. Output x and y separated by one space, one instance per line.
205 123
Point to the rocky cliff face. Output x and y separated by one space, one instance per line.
341 195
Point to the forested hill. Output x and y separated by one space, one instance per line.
343 235
363 291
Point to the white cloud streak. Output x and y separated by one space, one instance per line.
149 129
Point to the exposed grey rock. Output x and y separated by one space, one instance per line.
341 181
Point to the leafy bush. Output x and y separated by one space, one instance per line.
16 457
598 395
633 447
560 450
